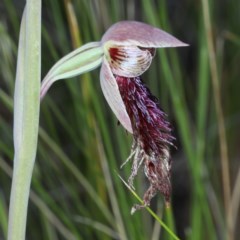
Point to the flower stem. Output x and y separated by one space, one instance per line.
26 117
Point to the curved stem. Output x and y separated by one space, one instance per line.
79 61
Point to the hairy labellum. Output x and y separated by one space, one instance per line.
152 137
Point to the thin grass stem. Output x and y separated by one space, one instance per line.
150 211
219 113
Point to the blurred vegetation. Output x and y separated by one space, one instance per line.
76 192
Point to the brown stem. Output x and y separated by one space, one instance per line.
219 113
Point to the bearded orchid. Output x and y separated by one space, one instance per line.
125 52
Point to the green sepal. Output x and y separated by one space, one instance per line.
81 60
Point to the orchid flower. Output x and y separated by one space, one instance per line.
125 52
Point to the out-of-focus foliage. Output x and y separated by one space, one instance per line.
76 193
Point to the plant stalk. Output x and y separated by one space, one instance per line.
26 117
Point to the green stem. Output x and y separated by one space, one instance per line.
171 233
26 117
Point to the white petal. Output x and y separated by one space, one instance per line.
113 97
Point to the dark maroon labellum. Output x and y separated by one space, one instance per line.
148 120
152 137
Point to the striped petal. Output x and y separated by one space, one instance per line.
128 61
111 92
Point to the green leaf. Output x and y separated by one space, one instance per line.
26 117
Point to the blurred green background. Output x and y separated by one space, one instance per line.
76 192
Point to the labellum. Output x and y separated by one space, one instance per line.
152 138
